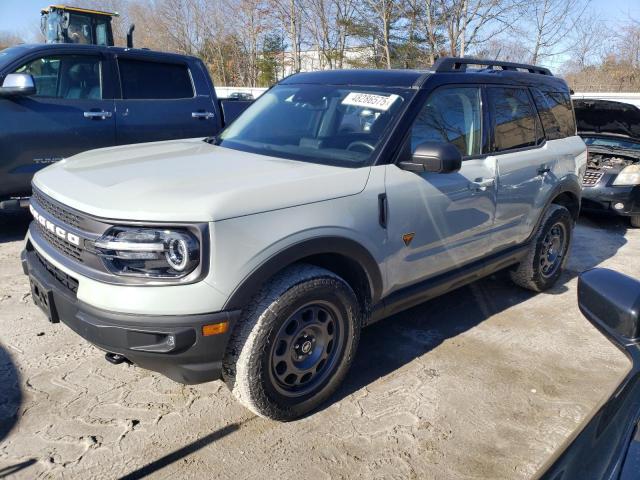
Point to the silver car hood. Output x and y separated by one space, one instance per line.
190 181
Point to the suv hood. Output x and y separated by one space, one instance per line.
607 117
190 180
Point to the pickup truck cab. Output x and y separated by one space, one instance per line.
84 97
338 198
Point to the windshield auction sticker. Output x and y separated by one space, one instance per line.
369 100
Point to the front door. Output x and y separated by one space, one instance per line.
437 222
69 114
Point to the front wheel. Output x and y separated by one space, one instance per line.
541 268
294 343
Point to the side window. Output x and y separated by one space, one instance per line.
74 77
515 119
451 115
556 113
142 80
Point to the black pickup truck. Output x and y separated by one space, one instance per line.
57 100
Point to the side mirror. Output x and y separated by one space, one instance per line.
18 84
611 301
434 157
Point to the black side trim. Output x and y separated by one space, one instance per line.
315 246
421 292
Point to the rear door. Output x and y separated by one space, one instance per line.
71 112
162 99
522 160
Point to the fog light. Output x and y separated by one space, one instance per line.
618 206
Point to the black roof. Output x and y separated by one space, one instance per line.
448 70
360 77
24 48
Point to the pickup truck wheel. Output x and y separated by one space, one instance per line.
547 255
635 221
294 343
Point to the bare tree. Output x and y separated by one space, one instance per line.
552 23
589 39
470 23
9 39
330 24
381 18
289 14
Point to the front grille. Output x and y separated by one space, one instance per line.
59 244
66 280
57 210
591 178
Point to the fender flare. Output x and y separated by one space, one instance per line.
298 251
569 184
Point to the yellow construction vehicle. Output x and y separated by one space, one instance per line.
65 24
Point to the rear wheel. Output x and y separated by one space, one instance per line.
635 221
294 344
547 255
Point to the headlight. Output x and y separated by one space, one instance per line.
149 252
629 176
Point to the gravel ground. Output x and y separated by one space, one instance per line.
485 382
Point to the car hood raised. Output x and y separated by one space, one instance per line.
190 181
607 117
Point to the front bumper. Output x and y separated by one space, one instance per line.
169 344
603 198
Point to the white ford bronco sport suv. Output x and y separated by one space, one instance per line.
337 199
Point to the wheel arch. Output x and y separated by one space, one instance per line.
568 193
342 256
570 200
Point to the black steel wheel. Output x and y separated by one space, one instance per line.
553 249
306 348
547 253
294 343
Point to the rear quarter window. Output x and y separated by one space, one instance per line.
142 80
556 113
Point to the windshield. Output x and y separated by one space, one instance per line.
612 142
317 123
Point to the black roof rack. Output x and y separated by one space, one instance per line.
456 64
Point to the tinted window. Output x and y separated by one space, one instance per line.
514 118
451 115
152 80
556 113
66 76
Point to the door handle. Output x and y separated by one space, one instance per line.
481 184
102 115
205 115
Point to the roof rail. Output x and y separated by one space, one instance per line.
457 64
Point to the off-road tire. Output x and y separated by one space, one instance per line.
248 364
635 221
529 273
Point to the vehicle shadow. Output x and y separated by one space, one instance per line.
393 342
14 225
10 394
